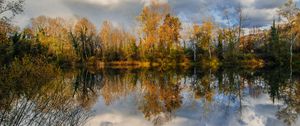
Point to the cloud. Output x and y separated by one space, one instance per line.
124 12
105 2
34 8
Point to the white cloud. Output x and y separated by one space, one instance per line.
148 2
105 2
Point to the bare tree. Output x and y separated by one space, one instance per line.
240 19
289 11
10 8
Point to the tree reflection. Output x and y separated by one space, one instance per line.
288 91
117 84
35 93
66 97
87 86
161 96
275 82
159 93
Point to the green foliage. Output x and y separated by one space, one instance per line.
6 52
132 51
277 49
17 47
219 49
232 52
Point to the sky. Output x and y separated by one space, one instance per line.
258 13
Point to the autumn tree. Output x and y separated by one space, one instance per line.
169 35
231 54
220 45
296 31
53 33
150 20
105 36
194 39
131 49
83 37
289 11
233 33
240 24
203 36
117 44
8 9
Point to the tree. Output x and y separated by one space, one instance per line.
169 38
169 30
59 31
117 44
150 19
221 38
240 24
276 47
83 38
53 33
9 9
230 39
296 29
233 33
289 11
195 38
203 35
132 50
5 28
105 36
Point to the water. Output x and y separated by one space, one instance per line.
140 97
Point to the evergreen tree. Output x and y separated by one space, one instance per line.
220 45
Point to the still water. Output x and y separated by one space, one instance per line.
150 97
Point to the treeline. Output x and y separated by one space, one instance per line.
160 39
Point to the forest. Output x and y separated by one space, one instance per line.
160 40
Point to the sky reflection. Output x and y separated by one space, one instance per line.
225 110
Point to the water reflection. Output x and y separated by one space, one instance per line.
198 97
190 97
34 94
86 87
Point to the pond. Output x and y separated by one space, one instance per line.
151 97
